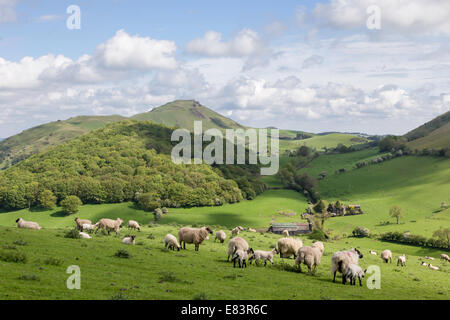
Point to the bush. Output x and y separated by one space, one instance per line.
158 214
71 205
167 276
72 234
47 199
317 234
12 256
360 232
53 261
122 254
29 277
148 201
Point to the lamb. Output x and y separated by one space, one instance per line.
193 235
373 252
241 256
235 231
342 259
27 224
171 242
87 227
401 260
84 235
221 235
288 246
285 233
353 271
109 225
80 222
432 267
386 255
445 257
423 264
263 255
129 240
133 225
251 230
310 256
237 243
429 258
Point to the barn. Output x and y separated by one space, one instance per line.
293 228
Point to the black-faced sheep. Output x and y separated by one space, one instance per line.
432 267
129 240
353 271
133 225
193 235
342 259
27 224
241 256
445 257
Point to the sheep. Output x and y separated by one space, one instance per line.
129 240
235 231
240 228
251 230
445 257
133 225
285 233
373 252
193 235
263 255
221 236
429 258
288 246
342 259
171 242
353 271
241 256
423 264
386 255
109 225
235 244
401 260
27 224
84 235
310 256
80 222
432 267
318 245
87 227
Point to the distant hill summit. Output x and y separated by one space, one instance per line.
434 134
183 113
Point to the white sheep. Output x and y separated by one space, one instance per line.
401 260
353 271
84 235
237 243
429 258
288 246
251 230
445 257
80 222
171 242
27 224
310 256
235 231
87 227
432 267
318 245
342 259
285 233
373 252
423 264
386 255
221 236
133 225
109 225
263 255
241 256
193 235
129 240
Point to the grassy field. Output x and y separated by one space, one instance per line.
320 141
155 273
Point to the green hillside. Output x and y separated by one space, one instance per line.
41 138
183 113
320 142
434 134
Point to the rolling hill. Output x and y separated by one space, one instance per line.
434 134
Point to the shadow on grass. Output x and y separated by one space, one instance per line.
61 214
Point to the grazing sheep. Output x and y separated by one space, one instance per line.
133 225
193 235
373 252
235 231
109 225
353 271
445 257
386 255
310 256
221 235
429 258
237 243
342 259
241 256
263 255
288 246
129 240
251 230
84 235
27 224
432 267
423 264
87 227
80 222
240 228
318 245
401 260
171 242
286 233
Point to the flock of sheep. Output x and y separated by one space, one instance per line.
344 262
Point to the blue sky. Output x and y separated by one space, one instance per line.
305 65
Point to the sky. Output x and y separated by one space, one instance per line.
372 66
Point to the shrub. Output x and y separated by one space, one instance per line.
12 256
71 205
29 277
121 253
167 276
53 261
72 234
47 199
360 232
317 234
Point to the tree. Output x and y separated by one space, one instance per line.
47 199
147 201
443 235
396 212
320 207
71 204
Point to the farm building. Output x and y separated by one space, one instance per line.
293 228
